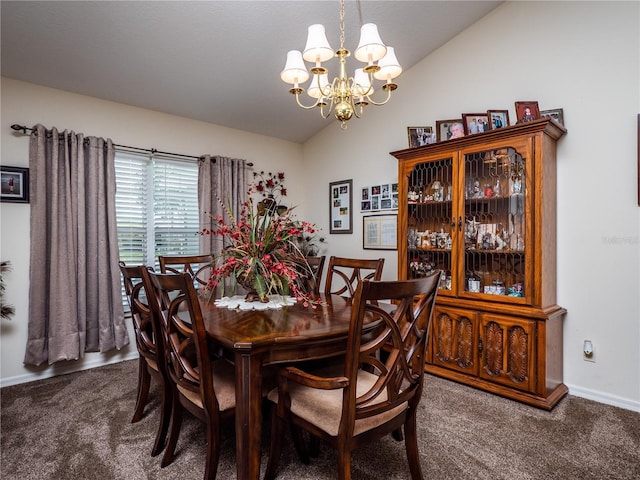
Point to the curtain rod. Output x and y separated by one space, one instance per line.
152 151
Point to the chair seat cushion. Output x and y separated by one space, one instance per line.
323 408
223 384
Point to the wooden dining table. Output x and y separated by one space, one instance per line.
256 339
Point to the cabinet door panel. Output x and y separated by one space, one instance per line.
507 354
430 236
497 222
455 340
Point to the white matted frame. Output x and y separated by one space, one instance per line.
380 232
340 207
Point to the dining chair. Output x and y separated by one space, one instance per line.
317 266
198 266
369 395
151 363
344 274
202 387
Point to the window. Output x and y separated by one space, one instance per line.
156 208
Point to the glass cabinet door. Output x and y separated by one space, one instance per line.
495 227
429 229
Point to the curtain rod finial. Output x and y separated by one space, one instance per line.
19 128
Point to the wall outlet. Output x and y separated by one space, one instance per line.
588 351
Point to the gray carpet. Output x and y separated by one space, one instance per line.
78 426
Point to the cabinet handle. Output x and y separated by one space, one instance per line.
460 223
480 346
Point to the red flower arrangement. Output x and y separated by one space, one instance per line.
270 185
260 250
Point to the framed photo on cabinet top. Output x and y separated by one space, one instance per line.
527 111
556 113
475 123
15 184
449 129
498 118
340 207
419 136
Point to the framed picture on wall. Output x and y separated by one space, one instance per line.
380 232
340 207
14 184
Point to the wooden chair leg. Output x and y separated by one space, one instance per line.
299 443
397 434
176 425
411 444
277 434
213 453
166 397
144 381
314 446
344 464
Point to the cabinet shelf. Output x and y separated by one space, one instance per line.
495 245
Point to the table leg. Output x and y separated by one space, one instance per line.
248 415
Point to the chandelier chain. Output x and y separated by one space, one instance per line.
341 24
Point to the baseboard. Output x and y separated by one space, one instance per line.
606 398
64 368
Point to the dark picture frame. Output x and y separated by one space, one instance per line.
341 207
380 232
527 111
14 184
498 119
475 123
556 113
420 136
443 128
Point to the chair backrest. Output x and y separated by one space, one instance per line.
198 266
188 361
317 267
139 292
344 274
396 356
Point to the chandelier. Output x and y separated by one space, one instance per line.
344 96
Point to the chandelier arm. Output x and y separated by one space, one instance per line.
373 102
309 107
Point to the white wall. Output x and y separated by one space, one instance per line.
28 104
583 57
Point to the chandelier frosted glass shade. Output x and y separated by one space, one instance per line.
344 96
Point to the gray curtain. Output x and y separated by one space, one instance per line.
75 304
219 178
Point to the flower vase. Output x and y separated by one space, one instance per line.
252 292
267 205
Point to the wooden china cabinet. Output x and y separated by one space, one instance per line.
482 209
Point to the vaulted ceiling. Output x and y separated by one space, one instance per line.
214 61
